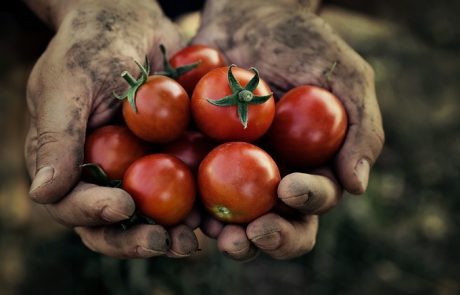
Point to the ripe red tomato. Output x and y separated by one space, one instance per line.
162 187
224 123
238 182
309 127
113 148
191 148
209 58
163 110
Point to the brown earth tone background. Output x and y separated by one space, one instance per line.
401 237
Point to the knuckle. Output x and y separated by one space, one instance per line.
55 214
313 202
380 135
378 140
368 70
309 245
87 242
45 138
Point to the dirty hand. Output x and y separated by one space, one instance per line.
70 92
292 46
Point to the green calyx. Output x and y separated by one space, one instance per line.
241 97
134 84
98 175
170 71
222 212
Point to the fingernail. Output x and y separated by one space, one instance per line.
362 169
43 176
110 215
269 241
160 242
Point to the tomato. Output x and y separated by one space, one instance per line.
209 58
163 110
162 187
238 182
191 148
113 148
309 127
236 117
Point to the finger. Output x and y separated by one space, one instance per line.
234 243
365 136
309 193
60 117
141 241
282 239
90 205
183 242
193 220
211 226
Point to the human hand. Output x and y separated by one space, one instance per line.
70 92
291 46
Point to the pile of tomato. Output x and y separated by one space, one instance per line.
202 131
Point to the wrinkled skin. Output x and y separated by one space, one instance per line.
70 92
292 46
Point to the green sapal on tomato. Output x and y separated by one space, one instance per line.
156 108
233 104
190 64
238 182
309 128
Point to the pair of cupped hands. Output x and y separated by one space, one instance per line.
70 92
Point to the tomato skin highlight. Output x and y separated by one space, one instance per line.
191 148
309 128
222 123
113 148
162 187
238 182
209 58
163 110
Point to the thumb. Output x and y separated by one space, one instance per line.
60 124
363 143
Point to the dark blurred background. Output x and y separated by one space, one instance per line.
401 237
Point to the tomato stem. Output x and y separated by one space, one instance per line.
245 95
241 96
170 71
134 84
129 78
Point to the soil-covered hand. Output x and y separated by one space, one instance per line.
292 46
70 92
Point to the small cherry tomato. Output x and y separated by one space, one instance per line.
227 111
238 182
162 187
113 148
207 59
157 108
191 148
309 127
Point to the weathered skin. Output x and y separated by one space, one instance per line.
291 46
70 92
